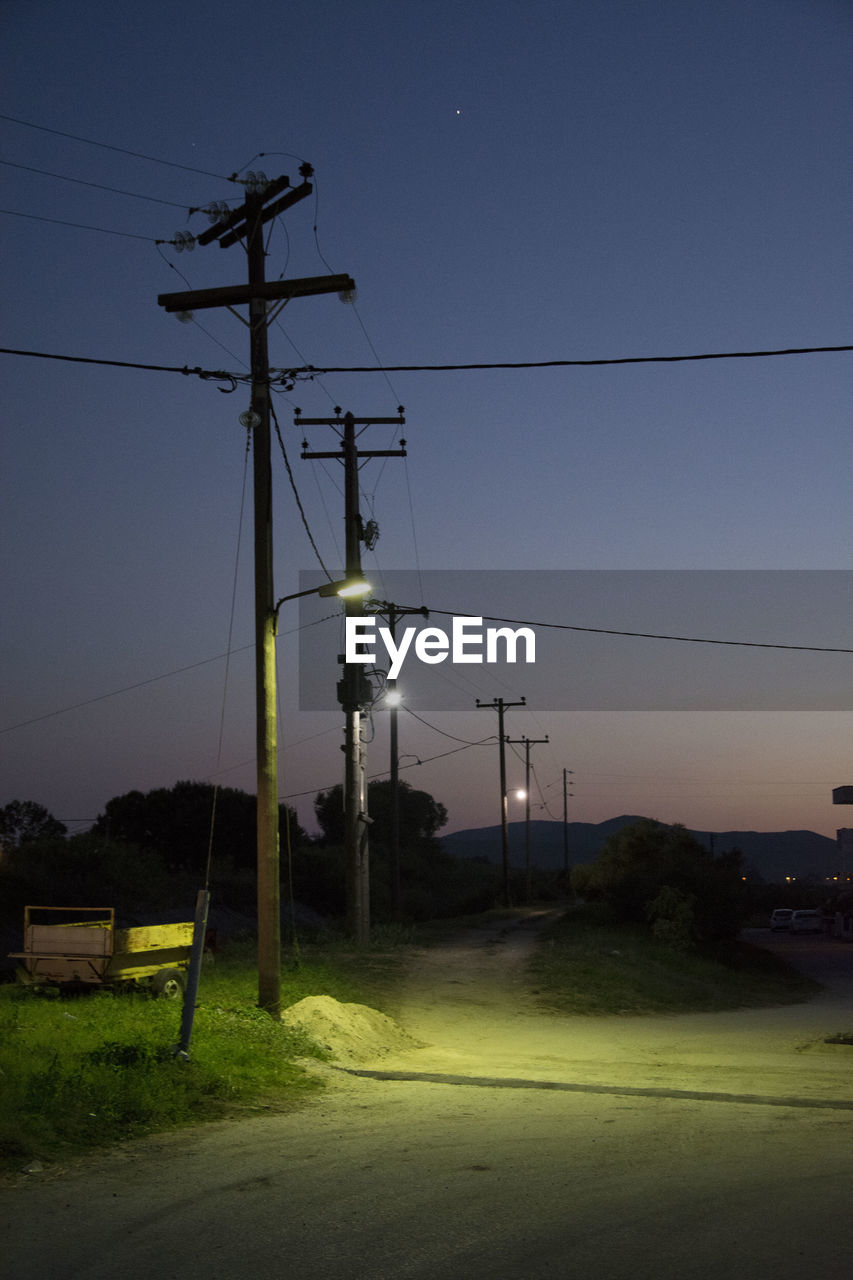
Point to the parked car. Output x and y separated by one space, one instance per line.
807 922
781 918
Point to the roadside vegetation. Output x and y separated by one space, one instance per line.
591 962
658 932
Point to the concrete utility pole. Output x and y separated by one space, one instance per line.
246 223
391 612
528 743
498 704
354 690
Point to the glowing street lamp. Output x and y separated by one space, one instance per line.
346 589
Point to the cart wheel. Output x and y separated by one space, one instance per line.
168 984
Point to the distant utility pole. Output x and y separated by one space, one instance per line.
566 794
498 704
263 201
528 743
354 691
392 612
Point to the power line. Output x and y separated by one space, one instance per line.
99 186
451 736
446 613
286 376
128 688
292 480
166 675
562 364
643 635
138 155
295 795
81 226
215 375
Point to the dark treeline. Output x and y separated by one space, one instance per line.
147 855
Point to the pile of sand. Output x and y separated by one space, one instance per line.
353 1032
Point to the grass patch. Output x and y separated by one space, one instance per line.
78 1072
586 964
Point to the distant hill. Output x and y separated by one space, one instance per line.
772 855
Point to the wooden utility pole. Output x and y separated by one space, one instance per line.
566 794
246 223
354 689
392 612
498 704
528 743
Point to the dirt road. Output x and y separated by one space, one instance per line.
468 1003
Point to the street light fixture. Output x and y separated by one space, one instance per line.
345 589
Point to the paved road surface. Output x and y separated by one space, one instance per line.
699 1146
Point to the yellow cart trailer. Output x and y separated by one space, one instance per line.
81 945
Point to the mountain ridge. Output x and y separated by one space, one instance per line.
771 855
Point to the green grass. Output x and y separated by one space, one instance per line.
588 965
79 1072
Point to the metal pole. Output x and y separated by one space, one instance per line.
194 974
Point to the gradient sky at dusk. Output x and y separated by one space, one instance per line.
506 182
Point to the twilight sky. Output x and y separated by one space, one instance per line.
507 183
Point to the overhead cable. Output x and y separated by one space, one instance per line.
292 480
99 186
562 364
286 377
138 155
82 226
453 738
642 635
209 375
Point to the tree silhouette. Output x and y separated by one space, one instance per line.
24 822
176 823
420 815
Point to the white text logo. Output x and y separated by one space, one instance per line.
467 642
